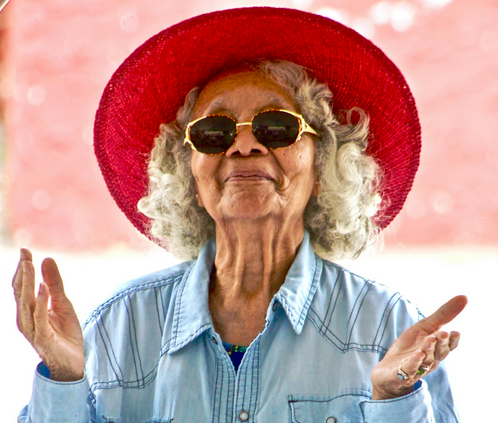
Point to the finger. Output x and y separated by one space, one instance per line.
17 282
52 278
40 318
421 361
25 255
429 348
445 314
26 303
16 275
454 340
443 346
410 367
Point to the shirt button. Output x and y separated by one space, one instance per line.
275 306
331 420
215 340
243 416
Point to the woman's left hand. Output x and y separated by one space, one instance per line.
417 352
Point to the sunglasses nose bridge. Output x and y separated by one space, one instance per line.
245 142
238 125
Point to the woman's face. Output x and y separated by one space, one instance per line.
250 181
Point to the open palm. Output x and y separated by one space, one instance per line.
54 332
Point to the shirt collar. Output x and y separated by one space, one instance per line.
300 285
192 315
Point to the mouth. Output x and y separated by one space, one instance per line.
248 175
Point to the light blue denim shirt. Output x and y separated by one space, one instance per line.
152 355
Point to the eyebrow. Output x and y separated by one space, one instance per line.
219 106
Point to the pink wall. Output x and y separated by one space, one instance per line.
60 55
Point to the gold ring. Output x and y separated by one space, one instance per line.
422 370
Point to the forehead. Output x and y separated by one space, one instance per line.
240 91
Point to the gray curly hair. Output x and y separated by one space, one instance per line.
339 219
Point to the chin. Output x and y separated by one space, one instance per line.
250 207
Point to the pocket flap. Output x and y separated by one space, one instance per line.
342 408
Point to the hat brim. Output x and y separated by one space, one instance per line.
151 84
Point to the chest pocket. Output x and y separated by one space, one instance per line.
343 408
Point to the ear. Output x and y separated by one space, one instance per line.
317 189
199 201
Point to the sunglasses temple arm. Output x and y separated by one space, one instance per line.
187 138
309 129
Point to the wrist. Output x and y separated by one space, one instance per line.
380 395
60 375
66 377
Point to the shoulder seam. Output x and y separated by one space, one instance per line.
122 294
372 282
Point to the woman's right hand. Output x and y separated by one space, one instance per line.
54 332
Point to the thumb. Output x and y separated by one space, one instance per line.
445 314
52 278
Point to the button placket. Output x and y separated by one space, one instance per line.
247 384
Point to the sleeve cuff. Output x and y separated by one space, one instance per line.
415 407
58 402
43 370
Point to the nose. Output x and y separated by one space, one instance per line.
245 143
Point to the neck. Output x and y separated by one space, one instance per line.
252 261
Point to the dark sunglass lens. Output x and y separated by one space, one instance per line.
275 129
213 135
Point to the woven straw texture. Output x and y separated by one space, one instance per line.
151 85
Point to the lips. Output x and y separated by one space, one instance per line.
248 175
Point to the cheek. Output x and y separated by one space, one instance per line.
302 164
199 166
204 168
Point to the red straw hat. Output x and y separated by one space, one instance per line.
151 85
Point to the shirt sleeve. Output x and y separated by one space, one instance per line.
56 402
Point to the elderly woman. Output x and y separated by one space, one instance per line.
256 173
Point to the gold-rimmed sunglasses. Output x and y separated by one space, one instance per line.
214 134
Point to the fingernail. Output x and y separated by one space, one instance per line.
40 289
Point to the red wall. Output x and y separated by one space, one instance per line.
60 55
